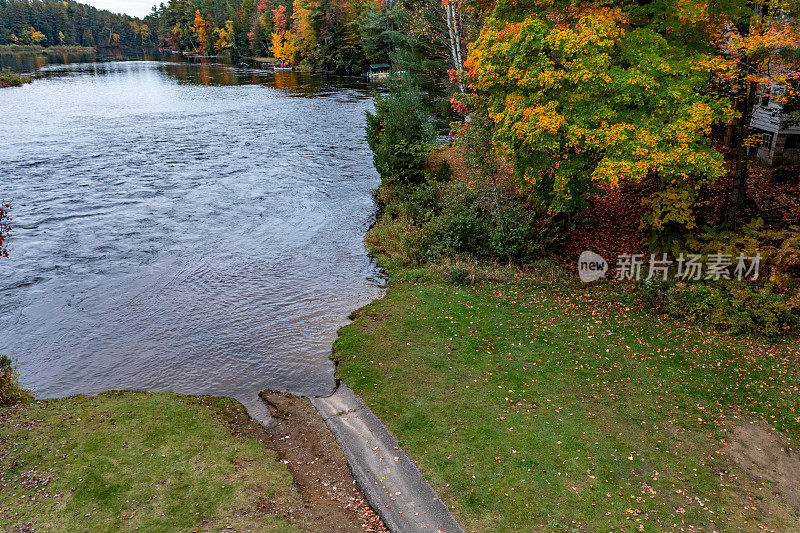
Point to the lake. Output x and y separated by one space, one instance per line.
183 226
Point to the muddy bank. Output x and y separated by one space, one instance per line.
331 499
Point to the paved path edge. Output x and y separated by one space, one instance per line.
390 480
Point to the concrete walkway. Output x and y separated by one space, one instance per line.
391 481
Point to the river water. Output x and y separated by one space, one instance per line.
182 226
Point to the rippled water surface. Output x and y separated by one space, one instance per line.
185 227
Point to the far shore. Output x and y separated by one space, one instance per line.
26 48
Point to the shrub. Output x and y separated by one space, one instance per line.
400 135
656 293
771 308
11 79
418 202
458 276
396 243
442 172
463 225
465 270
10 390
779 249
432 221
668 218
510 233
523 235
735 306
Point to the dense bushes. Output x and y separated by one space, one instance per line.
735 306
432 221
731 305
768 306
779 249
10 390
463 225
429 218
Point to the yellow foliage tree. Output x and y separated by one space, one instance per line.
225 37
283 46
303 36
145 33
590 99
36 36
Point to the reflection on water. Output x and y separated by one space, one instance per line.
195 71
31 62
182 226
27 62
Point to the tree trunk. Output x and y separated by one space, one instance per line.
455 39
738 191
737 195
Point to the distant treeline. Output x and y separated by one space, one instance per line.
343 36
332 35
68 23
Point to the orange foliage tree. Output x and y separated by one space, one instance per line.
200 30
283 46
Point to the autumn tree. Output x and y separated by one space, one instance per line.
260 34
145 33
452 10
200 31
225 37
758 47
303 34
282 43
29 35
582 97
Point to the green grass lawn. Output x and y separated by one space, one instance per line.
547 406
152 462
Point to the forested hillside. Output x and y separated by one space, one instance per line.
344 36
68 23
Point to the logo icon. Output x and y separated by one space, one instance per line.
591 267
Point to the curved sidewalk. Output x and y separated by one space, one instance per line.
391 481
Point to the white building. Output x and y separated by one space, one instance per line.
780 136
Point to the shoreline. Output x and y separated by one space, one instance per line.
15 48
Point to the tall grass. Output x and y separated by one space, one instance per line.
10 390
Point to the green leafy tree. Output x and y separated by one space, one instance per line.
378 36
